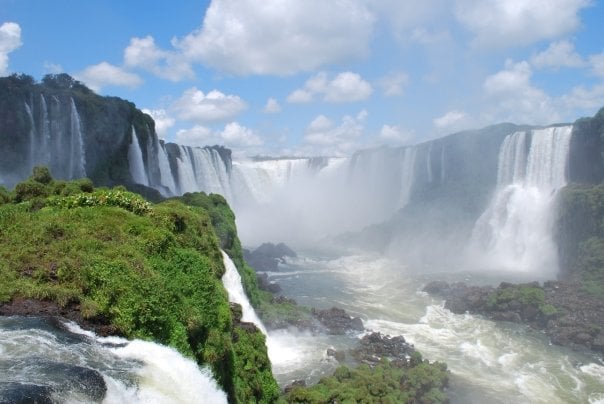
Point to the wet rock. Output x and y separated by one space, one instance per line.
337 321
22 393
268 256
338 355
293 385
376 346
265 284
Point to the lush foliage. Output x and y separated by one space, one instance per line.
152 271
416 381
526 295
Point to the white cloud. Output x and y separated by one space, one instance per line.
323 137
104 74
10 40
393 84
597 64
558 54
163 121
272 106
345 87
450 121
506 23
233 135
53 68
512 97
143 53
395 134
202 108
583 99
275 37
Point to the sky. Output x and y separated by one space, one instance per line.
319 77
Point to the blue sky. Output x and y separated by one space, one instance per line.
316 77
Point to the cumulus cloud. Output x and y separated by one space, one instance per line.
10 40
584 99
558 54
451 121
512 96
106 74
144 54
275 37
232 135
597 64
272 106
507 23
324 137
345 87
202 108
396 134
163 122
393 84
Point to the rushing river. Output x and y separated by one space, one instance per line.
489 362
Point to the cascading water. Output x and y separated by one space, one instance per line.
43 360
166 177
32 135
77 161
44 133
515 232
232 283
407 175
135 161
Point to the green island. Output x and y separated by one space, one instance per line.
153 271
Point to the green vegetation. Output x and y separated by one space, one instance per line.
581 236
526 295
151 271
416 381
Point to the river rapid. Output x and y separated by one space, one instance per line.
489 361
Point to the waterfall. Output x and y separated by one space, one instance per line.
186 175
209 171
442 163
44 132
429 163
407 175
232 283
56 362
135 161
515 231
77 161
166 177
32 135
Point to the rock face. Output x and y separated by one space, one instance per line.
337 321
567 314
268 256
376 346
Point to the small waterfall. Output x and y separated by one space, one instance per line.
77 162
58 362
32 137
407 175
135 161
44 131
232 283
515 232
166 177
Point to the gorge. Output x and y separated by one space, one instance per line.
506 202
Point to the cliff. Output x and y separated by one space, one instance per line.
121 265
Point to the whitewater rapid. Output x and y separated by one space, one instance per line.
489 362
79 367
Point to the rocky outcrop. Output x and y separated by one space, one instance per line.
268 256
337 321
563 310
374 347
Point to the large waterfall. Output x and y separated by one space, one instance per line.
43 360
135 160
515 231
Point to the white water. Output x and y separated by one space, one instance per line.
135 161
133 371
407 175
515 232
165 172
77 161
490 362
32 134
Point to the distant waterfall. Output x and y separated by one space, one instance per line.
515 232
32 135
232 283
77 161
44 130
47 361
407 175
135 161
166 177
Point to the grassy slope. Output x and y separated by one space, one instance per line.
154 274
